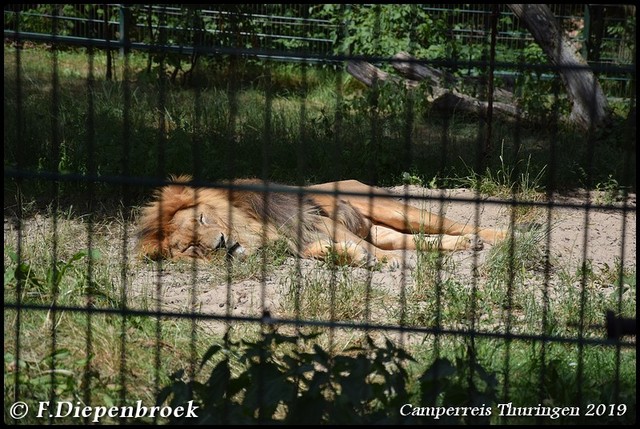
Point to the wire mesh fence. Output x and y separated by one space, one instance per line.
438 228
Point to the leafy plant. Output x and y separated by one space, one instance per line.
53 276
328 295
609 191
465 383
278 383
53 373
511 179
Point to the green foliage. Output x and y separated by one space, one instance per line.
329 295
465 383
53 373
39 19
381 29
314 131
369 384
277 383
435 298
274 380
609 191
511 179
412 179
50 282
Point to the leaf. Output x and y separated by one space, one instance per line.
9 276
321 356
57 355
12 255
218 381
268 388
439 369
209 354
163 395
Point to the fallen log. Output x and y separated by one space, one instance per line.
451 101
405 64
408 66
369 74
442 99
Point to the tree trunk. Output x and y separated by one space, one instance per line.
589 104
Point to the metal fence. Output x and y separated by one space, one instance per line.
290 28
538 328
304 32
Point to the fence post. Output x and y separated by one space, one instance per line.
125 16
586 29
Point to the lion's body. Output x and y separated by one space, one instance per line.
359 223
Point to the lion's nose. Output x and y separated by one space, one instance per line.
238 252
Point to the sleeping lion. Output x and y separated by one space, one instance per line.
360 224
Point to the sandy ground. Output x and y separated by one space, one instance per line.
575 236
601 236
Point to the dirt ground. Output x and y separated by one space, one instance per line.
602 236
596 235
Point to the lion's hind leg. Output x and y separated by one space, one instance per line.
390 239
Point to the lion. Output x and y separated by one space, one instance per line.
349 221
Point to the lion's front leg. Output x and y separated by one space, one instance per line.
342 253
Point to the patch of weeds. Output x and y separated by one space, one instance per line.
434 298
35 380
516 256
45 284
335 294
510 181
510 271
291 379
443 382
411 179
586 294
609 191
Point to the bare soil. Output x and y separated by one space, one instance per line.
602 236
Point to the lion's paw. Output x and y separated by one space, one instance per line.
473 242
368 260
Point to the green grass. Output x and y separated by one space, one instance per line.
533 374
289 123
336 294
106 358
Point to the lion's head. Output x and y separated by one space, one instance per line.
198 233
185 222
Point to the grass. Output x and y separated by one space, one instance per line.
514 180
107 358
316 125
100 358
289 123
336 294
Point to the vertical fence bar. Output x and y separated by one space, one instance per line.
125 21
